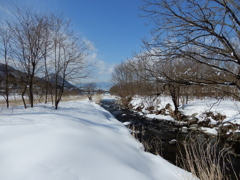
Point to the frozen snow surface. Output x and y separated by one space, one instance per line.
80 141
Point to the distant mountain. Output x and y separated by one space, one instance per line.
17 74
3 66
60 80
99 85
104 85
11 70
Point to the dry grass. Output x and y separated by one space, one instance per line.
97 98
154 146
12 102
73 98
40 99
205 159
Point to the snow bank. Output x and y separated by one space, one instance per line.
79 141
226 107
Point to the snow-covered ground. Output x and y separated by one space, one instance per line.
80 141
12 97
227 107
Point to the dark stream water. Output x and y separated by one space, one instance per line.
160 137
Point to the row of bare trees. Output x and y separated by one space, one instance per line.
40 44
193 50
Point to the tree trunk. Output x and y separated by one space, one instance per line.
46 94
174 94
59 97
31 94
31 82
56 104
7 85
23 93
52 95
7 100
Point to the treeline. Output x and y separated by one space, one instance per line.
40 44
193 52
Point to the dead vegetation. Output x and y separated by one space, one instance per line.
16 101
205 158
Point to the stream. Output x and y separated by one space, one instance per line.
163 138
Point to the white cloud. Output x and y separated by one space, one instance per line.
102 69
90 44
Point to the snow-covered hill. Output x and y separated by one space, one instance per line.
81 140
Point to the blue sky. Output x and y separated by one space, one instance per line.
113 26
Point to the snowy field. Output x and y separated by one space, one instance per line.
80 141
229 108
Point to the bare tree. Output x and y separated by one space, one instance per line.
159 77
69 57
194 44
43 44
206 32
90 90
28 42
5 52
47 51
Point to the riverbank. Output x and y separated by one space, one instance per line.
81 140
212 116
165 137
